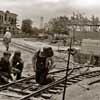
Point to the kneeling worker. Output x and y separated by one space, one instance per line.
17 64
41 65
5 69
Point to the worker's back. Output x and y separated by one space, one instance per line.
7 36
7 39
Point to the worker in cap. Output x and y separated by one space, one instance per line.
5 68
7 53
7 39
48 51
72 51
17 53
40 64
17 64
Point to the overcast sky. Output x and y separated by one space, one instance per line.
34 9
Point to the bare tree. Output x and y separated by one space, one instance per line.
59 25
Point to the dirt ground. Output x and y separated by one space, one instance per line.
79 91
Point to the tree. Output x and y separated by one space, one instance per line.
59 25
27 26
35 30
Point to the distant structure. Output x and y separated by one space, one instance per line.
8 20
41 22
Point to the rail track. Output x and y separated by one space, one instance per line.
27 88
59 83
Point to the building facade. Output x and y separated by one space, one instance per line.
8 20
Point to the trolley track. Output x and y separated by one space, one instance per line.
33 90
28 79
22 87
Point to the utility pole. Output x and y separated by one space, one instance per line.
67 68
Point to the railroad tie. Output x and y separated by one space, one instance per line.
10 95
78 79
73 81
53 91
57 88
18 91
46 96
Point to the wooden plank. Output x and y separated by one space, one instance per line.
12 83
52 91
46 96
18 91
10 94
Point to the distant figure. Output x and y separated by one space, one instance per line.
17 64
72 51
94 60
64 42
7 39
42 62
5 68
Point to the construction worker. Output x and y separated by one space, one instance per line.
5 68
42 62
7 39
17 64
94 60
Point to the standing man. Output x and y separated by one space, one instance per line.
7 39
5 69
17 64
42 62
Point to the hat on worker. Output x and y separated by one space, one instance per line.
48 51
18 53
6 53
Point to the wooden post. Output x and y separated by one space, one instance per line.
66 77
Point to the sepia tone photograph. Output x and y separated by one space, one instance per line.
49 50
